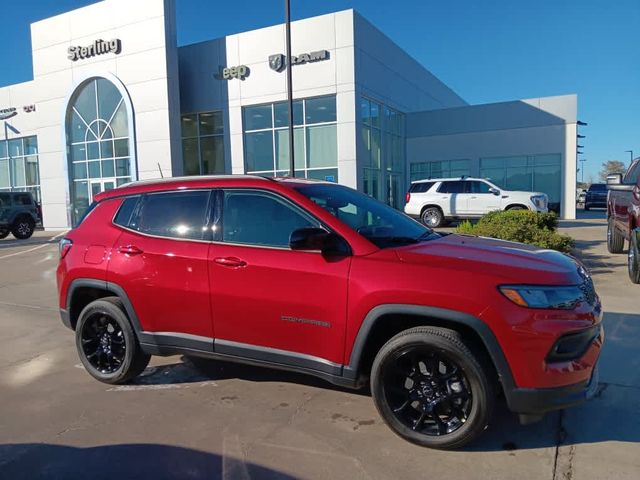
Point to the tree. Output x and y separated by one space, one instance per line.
611 166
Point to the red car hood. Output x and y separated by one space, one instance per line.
514 262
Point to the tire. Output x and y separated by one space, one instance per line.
633 261
432 217
4 234
100 324
460 391
615 241
23 227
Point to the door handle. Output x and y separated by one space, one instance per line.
129 250
232 262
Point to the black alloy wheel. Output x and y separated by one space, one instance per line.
23 228
103 343
106 343
431 389
427 391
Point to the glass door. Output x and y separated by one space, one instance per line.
100 185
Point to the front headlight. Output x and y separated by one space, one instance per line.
540 201
563 298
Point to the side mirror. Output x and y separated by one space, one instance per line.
317 239
495 191
614 179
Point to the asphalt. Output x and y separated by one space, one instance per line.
238 422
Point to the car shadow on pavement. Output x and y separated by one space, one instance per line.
595 262
47 461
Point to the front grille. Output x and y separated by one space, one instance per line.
589 291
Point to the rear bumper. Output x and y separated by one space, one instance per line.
542 400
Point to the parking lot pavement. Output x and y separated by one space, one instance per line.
239 422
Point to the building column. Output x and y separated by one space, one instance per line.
569 166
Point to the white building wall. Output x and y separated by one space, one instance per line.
147 66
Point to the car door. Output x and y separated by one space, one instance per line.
161 262
269 302
481 200
454 197
624 199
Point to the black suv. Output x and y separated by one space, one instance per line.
19 214
596 196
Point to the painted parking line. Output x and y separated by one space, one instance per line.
34 248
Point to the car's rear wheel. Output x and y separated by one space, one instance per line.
634 256
431 389
615 240
106 343
23 227
432 217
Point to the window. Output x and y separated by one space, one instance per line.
123 217
19 166
532 173
98 139
175 215
478 187
22 200
421 187
266 138
598 187
259 218
452 187
439 169
5 200
382 134
203 143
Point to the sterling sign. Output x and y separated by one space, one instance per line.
99 47
277 61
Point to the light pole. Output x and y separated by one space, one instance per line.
582 169
292 165
631 153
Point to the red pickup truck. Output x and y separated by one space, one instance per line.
623 216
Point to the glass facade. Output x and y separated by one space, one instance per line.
439 169
382 133
266 138
203 143
538 173
19 166
97 142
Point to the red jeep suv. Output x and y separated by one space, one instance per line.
318 278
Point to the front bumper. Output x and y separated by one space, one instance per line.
543 400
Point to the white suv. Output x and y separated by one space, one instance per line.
436 201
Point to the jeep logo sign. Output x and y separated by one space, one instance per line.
228 73
277 62
99 47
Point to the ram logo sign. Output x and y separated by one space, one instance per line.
277 62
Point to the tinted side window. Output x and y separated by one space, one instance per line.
23 199
123 217
175 214
452 187
260 218
478 187
5 200
421 187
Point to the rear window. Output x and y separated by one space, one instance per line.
5 200
123 217
598 187
452 187
421 187
175 214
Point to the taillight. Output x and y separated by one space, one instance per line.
64 246
407 197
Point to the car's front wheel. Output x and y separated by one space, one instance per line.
432 217
23 227
634 256
106 343
431 389
615 240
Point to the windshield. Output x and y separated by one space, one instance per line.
379 223
598 187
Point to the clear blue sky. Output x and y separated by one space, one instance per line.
487 51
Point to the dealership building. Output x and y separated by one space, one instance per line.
114 99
